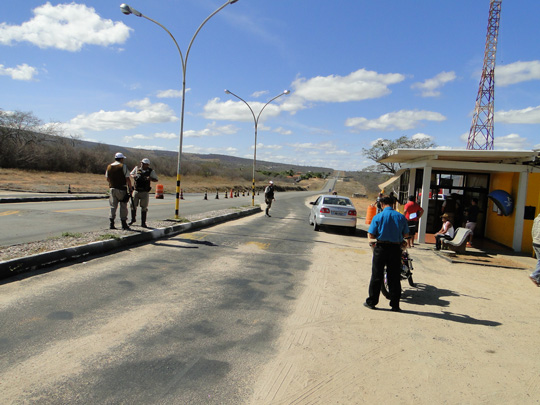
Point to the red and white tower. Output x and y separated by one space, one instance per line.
481 133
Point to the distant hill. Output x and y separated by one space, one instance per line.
224 160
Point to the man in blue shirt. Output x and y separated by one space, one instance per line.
386 233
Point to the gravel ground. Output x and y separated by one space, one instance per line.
69 239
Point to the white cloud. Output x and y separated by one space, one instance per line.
259 93
360 85
429 88
328 148
511 142
529 115
517 72
231 110
283 131
105 120
199 149
21 72
131 138
166 135
212 130
464 137
65 26
338 152
400 120
310 145
170 93
261 146
421 136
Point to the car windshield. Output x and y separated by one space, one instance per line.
336 201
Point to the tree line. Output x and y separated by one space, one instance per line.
27 143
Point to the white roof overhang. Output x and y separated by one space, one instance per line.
468 160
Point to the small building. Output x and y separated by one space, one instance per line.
505 183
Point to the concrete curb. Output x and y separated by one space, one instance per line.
21 265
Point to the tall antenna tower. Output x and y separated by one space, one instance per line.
481 133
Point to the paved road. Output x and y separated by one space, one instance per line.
186 320
34 221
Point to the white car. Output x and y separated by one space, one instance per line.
333 210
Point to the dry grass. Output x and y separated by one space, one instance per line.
40 181
348 188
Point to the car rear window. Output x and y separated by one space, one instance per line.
337 201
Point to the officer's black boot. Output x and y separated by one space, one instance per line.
143 219
112 224
267 214
133 215
125 226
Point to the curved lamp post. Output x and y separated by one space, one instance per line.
256 119
130 10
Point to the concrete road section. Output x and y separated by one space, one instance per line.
186 320
34 221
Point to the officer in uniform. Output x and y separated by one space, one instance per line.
269 197
120 189
386 234
143 176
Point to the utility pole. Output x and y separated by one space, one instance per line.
481 133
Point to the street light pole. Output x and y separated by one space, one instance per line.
256 120
130 10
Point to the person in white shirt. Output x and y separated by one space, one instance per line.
446 232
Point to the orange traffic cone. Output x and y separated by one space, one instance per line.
159 191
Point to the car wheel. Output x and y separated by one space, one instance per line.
309 220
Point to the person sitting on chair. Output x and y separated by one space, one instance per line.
446 232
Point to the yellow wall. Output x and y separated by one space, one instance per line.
500 228
533 199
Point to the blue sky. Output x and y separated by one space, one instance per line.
358 70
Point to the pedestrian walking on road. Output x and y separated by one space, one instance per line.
143 175
120 189
386 234
535 276
269 197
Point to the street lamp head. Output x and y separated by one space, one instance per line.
227 91
232 1
286 91
127 10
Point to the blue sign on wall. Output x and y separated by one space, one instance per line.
503 201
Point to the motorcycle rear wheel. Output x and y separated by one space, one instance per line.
384 285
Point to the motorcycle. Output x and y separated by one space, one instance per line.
405 274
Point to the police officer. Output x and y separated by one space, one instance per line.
143 176
120 188
386 234
269 197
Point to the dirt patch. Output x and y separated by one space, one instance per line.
484 259
466 335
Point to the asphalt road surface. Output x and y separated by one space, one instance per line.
185 320
34 221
